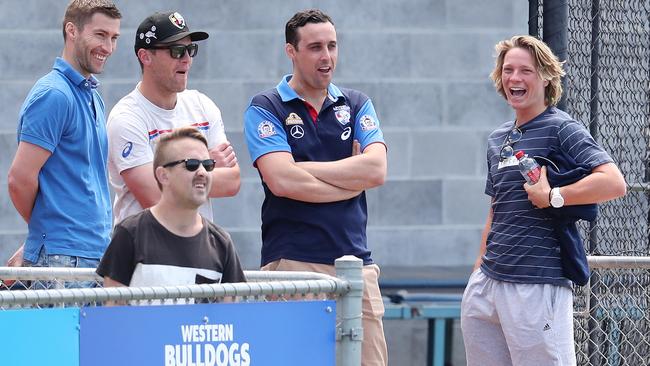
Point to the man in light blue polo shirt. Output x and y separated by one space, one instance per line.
58 180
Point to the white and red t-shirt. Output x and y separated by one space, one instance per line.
134 127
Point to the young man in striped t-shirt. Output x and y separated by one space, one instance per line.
517 308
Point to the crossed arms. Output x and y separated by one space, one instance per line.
319 182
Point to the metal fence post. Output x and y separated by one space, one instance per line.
556 33
349 331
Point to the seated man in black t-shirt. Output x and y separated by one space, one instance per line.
171 243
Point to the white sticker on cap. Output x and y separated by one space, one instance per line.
177 20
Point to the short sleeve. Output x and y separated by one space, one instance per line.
232 271
576 141
44 119
128 140
217 132
367 129
264 133
118 261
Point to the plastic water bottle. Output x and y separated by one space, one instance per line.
528 167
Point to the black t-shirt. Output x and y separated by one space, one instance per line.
142 252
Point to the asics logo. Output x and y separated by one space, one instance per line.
346 133
127 149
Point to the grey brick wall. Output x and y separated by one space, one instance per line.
425 64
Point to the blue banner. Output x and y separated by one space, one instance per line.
235 334
40 337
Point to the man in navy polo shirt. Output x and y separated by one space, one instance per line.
517 308
317 147
58 180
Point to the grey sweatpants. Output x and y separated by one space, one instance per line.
517 324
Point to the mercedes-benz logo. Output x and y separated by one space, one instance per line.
297 132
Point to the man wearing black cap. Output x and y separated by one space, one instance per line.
159 103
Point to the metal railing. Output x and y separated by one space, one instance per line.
611 313
22 276
346 288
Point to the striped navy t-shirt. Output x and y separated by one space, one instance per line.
522 246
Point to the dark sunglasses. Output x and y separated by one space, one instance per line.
507 150
178 50
193 164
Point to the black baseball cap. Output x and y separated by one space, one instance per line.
164 27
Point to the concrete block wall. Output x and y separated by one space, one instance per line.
425 64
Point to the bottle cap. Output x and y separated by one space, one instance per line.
519 154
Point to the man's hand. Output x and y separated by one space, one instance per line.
539 192
226 178
224 155
356 148
16 260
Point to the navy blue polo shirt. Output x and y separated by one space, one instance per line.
279 120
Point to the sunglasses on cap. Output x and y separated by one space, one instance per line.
177 51
507 150
193 164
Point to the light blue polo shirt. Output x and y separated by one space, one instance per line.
64 114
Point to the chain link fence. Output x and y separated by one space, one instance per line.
608 74
17 292
611 313
607 87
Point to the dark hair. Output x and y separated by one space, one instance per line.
79 12
299 20
160 155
